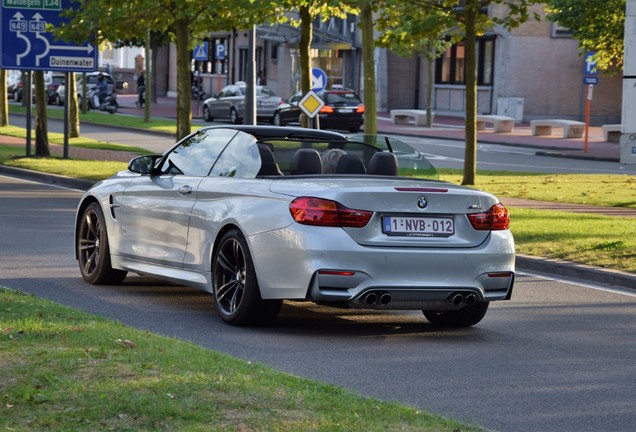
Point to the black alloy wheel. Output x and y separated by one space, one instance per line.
236 292
93 250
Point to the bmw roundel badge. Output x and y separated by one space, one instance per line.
422 202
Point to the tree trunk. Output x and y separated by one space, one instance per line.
430 56
368 61
41 132
73 107
84 94
4 103
149 79
306 34
470 157
184 86
154 53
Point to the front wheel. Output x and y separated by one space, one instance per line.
276 120
234 117
464 317
93 249
235 288
207 116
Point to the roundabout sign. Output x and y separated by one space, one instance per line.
27 44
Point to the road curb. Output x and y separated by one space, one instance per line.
47 178
577 271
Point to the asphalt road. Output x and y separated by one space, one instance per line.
558 357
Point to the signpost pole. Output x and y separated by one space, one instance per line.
26 96
588 103
67 77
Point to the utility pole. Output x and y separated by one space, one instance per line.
628 128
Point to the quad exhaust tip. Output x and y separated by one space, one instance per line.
459 299
374 298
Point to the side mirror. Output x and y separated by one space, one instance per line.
144 164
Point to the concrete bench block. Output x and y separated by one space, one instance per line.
499 123
571 128
405 116
612 132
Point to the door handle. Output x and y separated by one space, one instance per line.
185 190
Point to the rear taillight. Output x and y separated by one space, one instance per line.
326 110
496 218
360 109
324 212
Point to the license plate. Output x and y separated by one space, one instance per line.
345 110
418 226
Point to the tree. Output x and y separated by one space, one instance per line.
4 103
424 33
186 21
308 11
41 129
368 63
466 19
597 25
73 109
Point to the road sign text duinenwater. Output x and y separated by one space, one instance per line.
27 44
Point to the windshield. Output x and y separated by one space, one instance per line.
411 161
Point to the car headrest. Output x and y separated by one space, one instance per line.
268 163
350 164
306 161
383 163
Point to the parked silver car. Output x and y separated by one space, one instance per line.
260 214
229 104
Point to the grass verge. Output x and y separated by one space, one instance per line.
162 125
57 138
64 370
616 190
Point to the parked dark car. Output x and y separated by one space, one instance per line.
343 110
51 88
15 88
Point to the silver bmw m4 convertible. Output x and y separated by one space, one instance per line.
256 215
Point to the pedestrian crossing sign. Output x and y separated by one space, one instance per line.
201 52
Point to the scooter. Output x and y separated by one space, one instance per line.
108 103
197 89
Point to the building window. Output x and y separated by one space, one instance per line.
450 68
558 31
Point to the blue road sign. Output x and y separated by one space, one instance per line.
590 72
201 52
318 79
26 43
219 51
